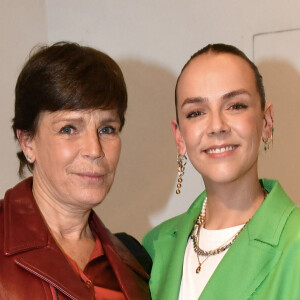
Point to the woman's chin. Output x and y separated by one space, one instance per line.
86 199
220 177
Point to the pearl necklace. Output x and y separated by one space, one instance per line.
200 222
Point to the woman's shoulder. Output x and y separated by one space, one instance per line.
162 231
163 228
171 225
277 195
292 226
278 215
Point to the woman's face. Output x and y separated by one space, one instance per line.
220 117
75 155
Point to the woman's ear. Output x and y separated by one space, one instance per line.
181 148
26 141
268 121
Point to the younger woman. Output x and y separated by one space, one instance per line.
240 239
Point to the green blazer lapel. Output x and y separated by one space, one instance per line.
169 255
242 269
254 253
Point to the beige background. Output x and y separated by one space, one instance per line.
151 40
277 55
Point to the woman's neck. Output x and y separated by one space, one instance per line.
65 222
232 204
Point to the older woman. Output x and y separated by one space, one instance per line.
240 239
69 110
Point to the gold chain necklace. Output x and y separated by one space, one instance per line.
198 223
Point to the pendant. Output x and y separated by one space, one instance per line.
198 269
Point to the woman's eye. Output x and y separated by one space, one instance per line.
107 130
195 114
67 129
238 106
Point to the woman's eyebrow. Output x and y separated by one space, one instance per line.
70 120
116 119
80 120
233 94
226 96
194 100
110 120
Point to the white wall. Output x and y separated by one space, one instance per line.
22 25
151 40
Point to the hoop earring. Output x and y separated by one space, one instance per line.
268 141
181 160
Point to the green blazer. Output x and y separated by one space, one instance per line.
263 262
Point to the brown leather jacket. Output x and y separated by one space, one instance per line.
33 267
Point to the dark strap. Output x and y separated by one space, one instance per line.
137 250
56 293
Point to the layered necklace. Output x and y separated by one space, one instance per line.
198 224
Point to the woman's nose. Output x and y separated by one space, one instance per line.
218 124
92 147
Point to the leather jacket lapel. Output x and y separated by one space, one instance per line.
51 266
23 225
131 276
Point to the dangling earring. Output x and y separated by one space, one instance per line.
181 160
268 141
28 158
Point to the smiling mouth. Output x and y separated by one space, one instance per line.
220 150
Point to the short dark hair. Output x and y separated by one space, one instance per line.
66 76
223 48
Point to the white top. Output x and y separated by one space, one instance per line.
192 284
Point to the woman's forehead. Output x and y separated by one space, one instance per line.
215 73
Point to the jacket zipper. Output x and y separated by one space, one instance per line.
56 287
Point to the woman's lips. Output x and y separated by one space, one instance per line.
93 177
221 150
